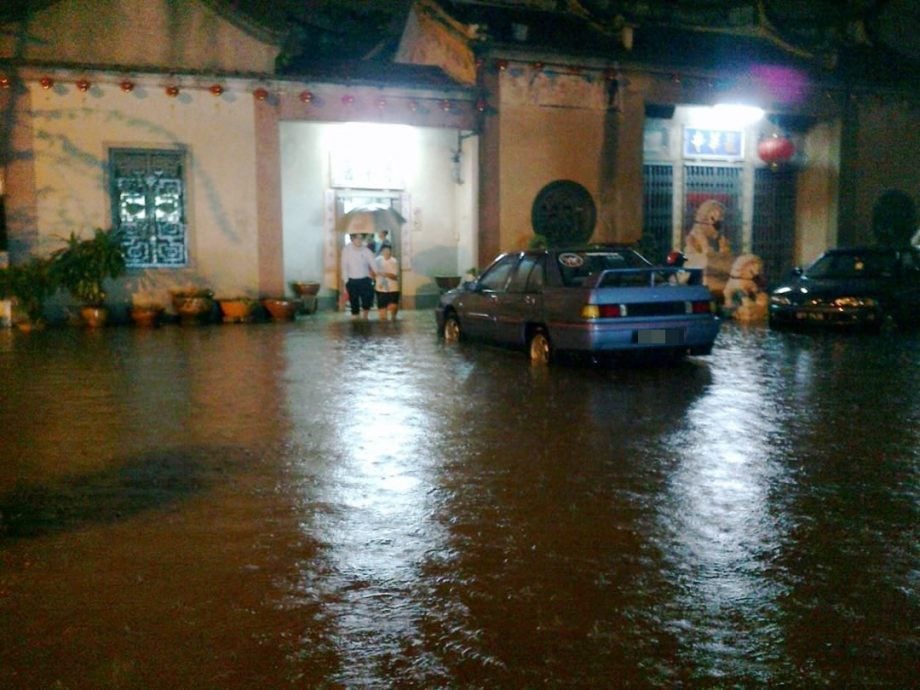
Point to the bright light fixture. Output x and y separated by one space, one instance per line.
737 114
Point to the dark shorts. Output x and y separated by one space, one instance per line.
385 299
360 294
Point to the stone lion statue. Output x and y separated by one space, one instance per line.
744 293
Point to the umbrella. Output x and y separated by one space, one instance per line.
366 221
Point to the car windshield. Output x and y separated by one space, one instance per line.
848 266
576 266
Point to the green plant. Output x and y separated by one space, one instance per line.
82 265
30 284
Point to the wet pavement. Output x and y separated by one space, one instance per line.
329 504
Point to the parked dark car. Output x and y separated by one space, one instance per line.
851 287
593 300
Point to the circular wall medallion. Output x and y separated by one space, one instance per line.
564 213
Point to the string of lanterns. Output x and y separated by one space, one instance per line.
262 93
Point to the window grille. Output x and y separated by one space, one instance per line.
721 183
773 229
658 210
148 205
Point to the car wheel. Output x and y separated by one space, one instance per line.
452 332
540 350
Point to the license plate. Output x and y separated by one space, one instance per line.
660 336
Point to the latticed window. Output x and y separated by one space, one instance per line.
148 205
703 183
658 207
773 232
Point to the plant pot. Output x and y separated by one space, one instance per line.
281 309
447 282
94 316
146 316
193 309
305 289
237 310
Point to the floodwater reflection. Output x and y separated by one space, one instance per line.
338 504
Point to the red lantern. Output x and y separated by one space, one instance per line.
172 91
775 150
83 85
5 82
481 105
306 96
127 86
216 89
260 94
501 65
46 82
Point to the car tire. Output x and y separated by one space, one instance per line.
452 333
539 348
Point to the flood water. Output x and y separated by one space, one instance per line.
329 504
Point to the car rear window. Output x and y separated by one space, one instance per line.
575 267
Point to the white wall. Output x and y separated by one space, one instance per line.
440 228
70 134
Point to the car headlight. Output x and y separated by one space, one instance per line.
781 300
854 302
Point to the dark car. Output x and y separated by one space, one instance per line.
593 300
851 287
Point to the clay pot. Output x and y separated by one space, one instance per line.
147 315
281 308
305 289
237 310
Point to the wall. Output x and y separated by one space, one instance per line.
60 169
551 128
141 34
881 140
439 233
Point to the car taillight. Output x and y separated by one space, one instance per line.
603 311
700 307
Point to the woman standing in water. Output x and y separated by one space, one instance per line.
387 283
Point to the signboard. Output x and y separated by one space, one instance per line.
724 144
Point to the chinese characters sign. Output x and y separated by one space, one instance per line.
712 143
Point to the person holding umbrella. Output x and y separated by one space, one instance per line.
359 275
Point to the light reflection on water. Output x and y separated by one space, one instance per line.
327 503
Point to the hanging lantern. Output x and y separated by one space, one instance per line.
501 65
83 85
260 94
775 150
172 91
445 105
5 82
306 96
127 86
481 105
46 82
216 89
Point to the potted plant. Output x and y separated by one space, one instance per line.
147 314
83 264
193 305
29 285
237 309
281 308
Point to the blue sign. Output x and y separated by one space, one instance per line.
712 143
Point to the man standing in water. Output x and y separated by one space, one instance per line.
358 274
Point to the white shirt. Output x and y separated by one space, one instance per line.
390 265
357 262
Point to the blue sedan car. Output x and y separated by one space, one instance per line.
594 300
